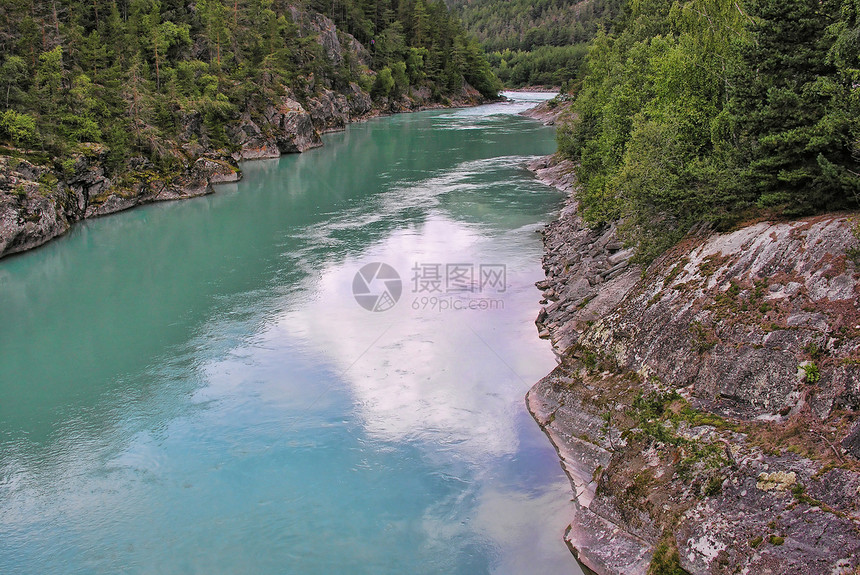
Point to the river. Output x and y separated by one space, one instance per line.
320 369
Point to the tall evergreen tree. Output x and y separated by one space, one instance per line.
783 95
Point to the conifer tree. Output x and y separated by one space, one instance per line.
781 103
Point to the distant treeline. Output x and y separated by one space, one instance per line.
531 42
717 110
126 72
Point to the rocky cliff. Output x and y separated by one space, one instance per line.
41 200
706 408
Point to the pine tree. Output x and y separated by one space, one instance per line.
781 103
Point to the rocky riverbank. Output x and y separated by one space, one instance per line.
550 111
40 199
706 408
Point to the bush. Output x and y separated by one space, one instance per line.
811 375
383 85
19 129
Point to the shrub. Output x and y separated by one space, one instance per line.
383 85
20 129
812 375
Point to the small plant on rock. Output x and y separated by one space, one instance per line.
776 540
812 375
666 560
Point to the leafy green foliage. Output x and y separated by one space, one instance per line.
20 129
811 373
545 65
705 110
383 85
794 107
523 25
134 75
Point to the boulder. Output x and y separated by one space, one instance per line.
292 127
253 144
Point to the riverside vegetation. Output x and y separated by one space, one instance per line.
716 111
106 104
702 290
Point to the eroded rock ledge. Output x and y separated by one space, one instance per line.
706 408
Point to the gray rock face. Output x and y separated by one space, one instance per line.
761 380
356 48
293 127
750 343
329 111
252 142
29 212
716 534
359 101
323 30
36 206
284 128
851 443
705 317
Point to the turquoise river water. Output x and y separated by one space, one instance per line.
192 387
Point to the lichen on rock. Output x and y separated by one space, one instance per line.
776 481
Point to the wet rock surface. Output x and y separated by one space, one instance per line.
707 404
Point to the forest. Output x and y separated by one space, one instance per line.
719 112
124 73
536 42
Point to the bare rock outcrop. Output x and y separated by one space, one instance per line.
38 203
706 408
293 127
551 111
331 111
252 142
28 216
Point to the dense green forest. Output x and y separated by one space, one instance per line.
125 73
715 111
534 42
